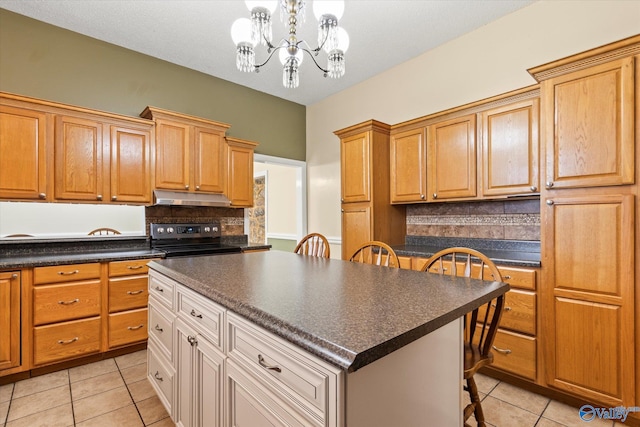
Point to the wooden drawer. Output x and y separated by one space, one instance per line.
161 328
56 303
162 288
126 293
205 316
405 262
66 340
161 377
515 353
519 313
294 376
128 268
127 327
519 277
66 273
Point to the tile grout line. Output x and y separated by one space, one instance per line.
135 405
73 412
6 417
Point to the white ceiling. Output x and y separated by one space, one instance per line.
196 34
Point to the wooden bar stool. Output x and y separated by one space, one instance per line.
481 325
376 253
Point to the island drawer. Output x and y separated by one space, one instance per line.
66 273
56 303
296 376
66 340
126 293
515 353
128 268
162 288
205 316
161 377
127 327
161 327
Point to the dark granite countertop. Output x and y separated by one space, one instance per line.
519 253
348 314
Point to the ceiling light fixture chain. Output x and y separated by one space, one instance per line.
334 40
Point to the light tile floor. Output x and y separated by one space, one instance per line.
115 392
112 392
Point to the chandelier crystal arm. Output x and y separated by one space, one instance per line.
313 57
272 50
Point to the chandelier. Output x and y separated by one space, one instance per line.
333 40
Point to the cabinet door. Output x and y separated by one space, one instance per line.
355 162
452 159
173 150
510 149
23 164
409 166
78 159
588 309
356 228
210 160
590 126
240 175
10 342
200 379
130 165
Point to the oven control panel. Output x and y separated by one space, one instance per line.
185 231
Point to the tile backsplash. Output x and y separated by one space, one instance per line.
508 220
231 219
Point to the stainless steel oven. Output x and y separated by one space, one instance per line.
189 239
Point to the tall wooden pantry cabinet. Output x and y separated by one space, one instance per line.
366 210
589 214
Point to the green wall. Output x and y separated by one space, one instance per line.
48 62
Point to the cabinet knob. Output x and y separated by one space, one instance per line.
422 196
192 340
435 195
99 197
186 187
549 184
42 195
197 187
342 200
14 276
534 188
550 202
114 198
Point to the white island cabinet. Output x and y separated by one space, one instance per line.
225 355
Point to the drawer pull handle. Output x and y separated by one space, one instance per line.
135 328
135 292
157 376
507 277
506 307
192 340
68 341
262 363
159 289
501 350
68 273
158 328
194 314
73 301
134 267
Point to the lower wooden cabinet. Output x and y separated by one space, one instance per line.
10 321
127 327
66 340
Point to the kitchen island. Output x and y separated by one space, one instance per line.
309 341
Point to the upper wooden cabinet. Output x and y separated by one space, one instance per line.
240 166
409 166
57 152
590 126
484 150
190 152
24 168
131 164
355 158
79 173
452 159
510 149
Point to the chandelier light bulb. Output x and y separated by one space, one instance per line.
284 56
241 31
343 39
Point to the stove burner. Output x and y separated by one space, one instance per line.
189 239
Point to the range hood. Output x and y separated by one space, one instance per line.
182 198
